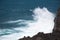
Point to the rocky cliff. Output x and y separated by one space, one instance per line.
55 35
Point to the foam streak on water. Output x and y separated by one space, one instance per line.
43 22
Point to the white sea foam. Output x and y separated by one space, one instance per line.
43 22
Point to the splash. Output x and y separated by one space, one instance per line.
43 22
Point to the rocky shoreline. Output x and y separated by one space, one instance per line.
55 35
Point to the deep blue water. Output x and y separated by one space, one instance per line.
19 9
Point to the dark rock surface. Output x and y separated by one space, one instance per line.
55 35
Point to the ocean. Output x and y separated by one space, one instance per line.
20 18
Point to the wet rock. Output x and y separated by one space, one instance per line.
55 35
